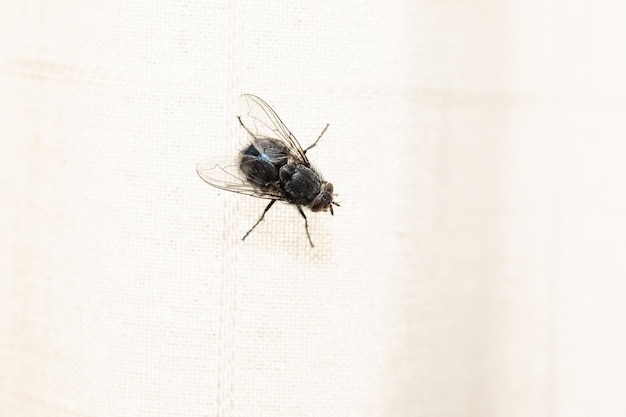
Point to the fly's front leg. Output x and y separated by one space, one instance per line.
306 226
318 139
261 218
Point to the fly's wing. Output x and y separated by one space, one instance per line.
262 121
228 177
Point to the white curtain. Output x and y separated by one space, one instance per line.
476 266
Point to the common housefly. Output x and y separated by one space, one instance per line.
272 166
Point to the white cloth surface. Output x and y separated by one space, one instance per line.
475 267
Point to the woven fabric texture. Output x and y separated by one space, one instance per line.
475 267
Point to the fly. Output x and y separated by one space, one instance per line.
272 166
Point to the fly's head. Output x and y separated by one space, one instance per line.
324 200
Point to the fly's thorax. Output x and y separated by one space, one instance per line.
300 183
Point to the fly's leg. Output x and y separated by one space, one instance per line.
315 143
306 226
261 218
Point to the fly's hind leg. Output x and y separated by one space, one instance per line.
317 140
259 221
306 226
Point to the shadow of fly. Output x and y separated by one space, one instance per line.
272 166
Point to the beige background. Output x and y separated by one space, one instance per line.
476 266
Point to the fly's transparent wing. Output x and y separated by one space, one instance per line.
262 121
229 178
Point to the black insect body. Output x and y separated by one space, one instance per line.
261 162
273 166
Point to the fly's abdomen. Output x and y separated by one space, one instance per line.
259 172
261 161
